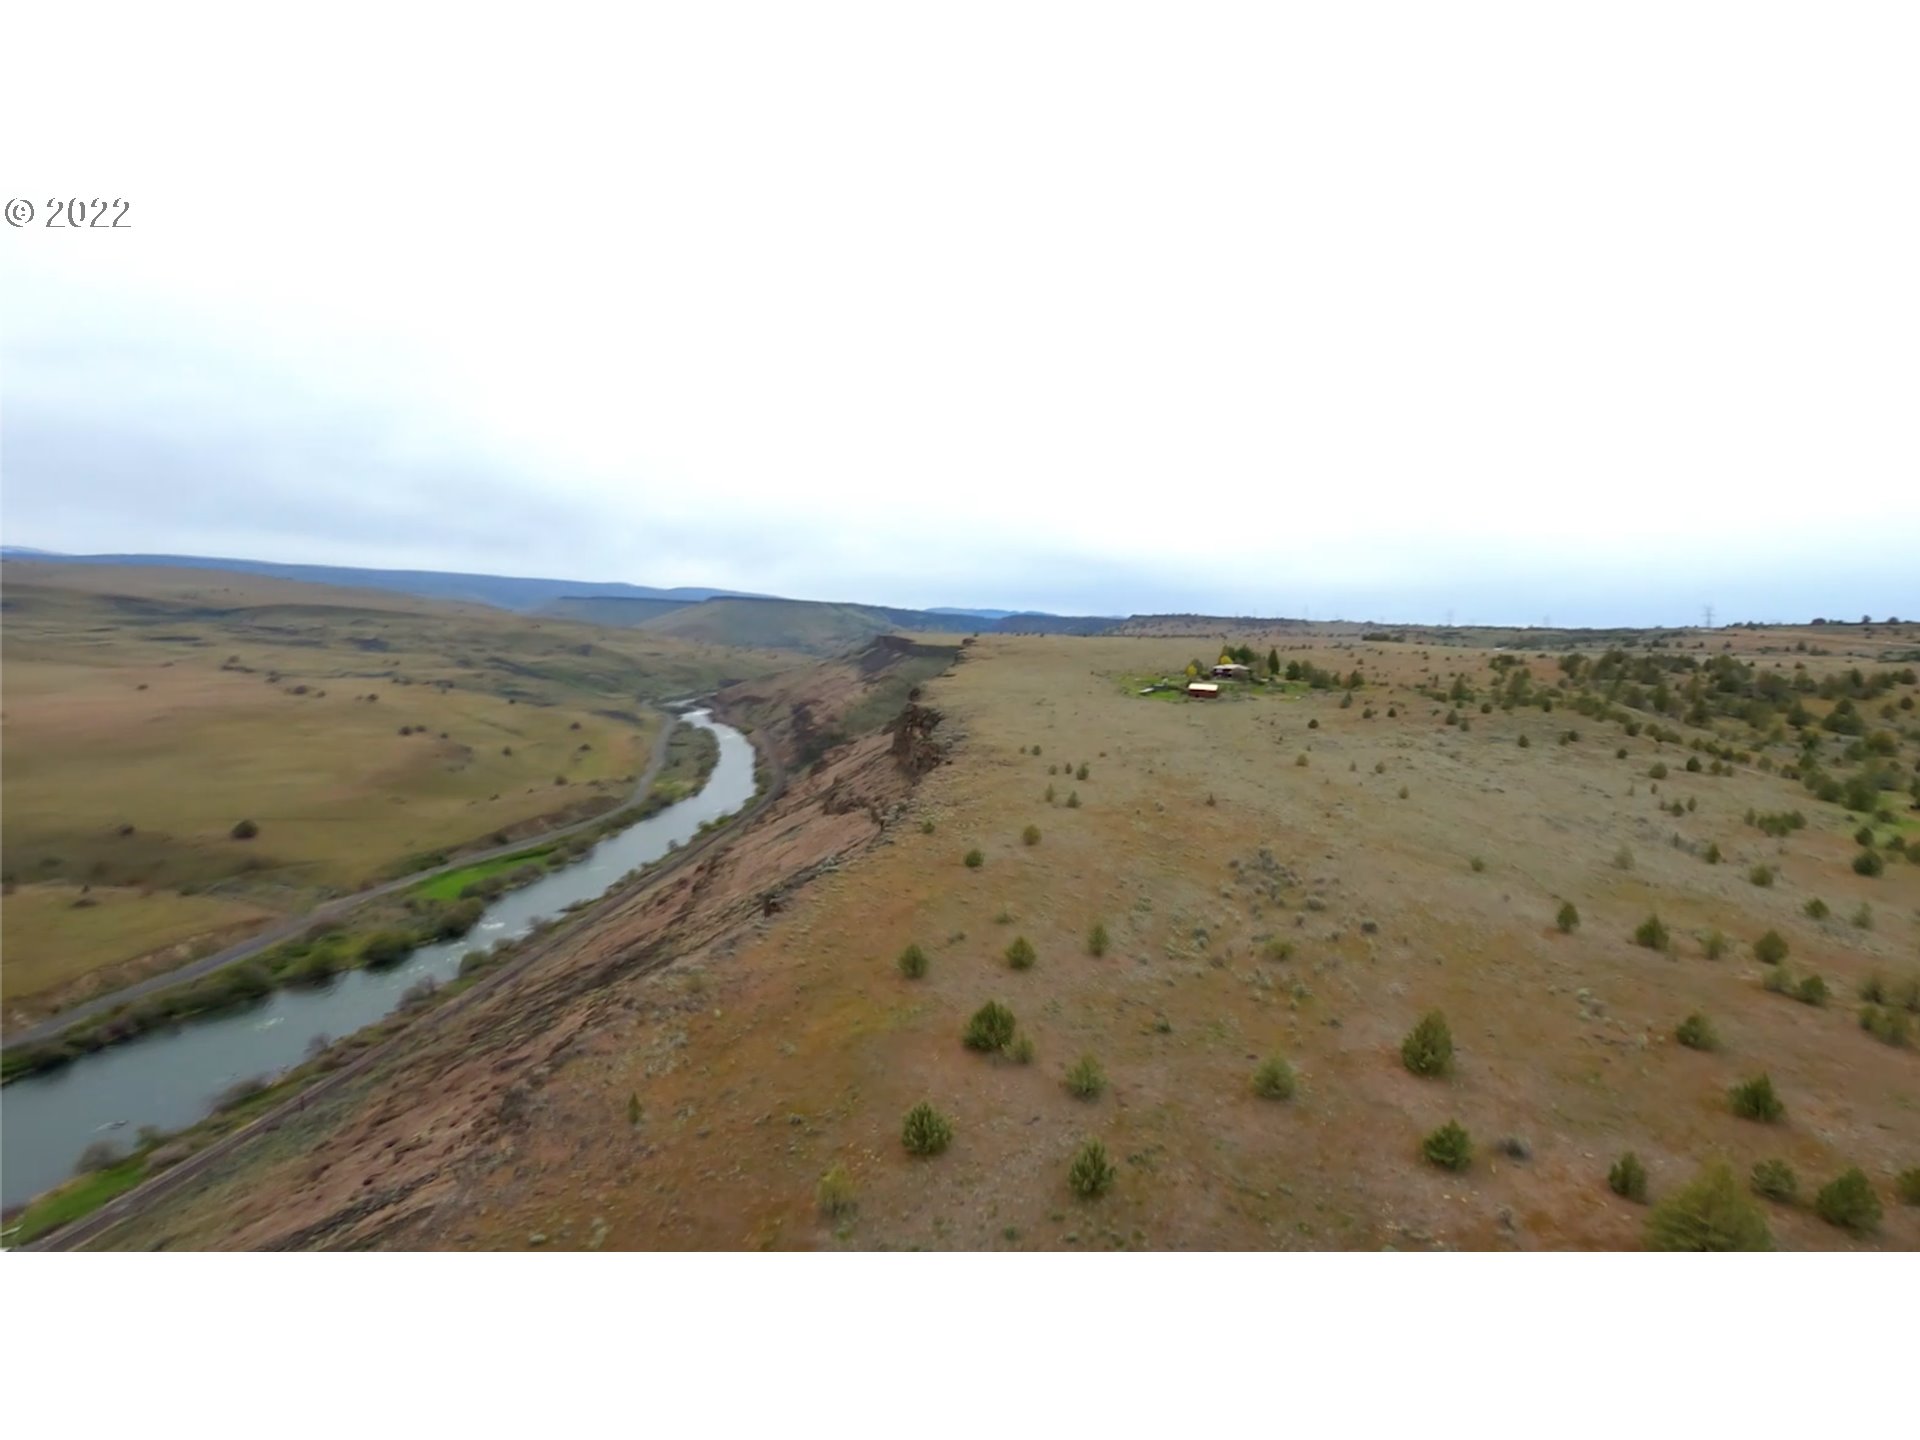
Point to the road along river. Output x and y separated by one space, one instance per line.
171 1078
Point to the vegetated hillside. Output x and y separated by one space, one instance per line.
812 627
1027 622
1630 885
620 610
153 715
501 591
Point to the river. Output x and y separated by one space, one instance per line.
170 1078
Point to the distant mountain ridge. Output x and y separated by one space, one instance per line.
566 597
504 592
692 612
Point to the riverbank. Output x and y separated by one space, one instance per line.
377 931
686 829
60 1222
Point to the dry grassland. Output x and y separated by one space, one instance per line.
147 713
800 1048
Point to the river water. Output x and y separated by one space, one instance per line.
171 1078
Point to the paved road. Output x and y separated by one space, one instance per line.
51 1027
81 1232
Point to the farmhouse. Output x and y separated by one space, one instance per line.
1232 672
1203 690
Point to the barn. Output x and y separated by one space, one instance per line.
1232 672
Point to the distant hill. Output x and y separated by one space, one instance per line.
627 610
502 591
814 627
1027 622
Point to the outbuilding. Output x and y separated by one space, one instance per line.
1232 672
1202 690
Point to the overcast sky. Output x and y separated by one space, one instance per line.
1382 311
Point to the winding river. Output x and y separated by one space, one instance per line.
171 1078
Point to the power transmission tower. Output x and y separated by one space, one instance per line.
1709 615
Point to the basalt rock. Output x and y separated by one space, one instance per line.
914 748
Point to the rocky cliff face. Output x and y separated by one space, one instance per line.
914 748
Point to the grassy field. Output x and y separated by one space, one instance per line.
1295 880
1169 898
449 885
149 713
105 926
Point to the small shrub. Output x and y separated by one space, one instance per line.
1020 954
1073 800
1696 1033
1097 940
1651 934
1030 835
926 827
1081 773
1770 948
990 1029
1022 1049
1907 1186
1777 981
1091 1174
1300 760
1811 990
1568 919
1709 1213
1863 836
1816 909
1712 855
1085 1078
245 830
1873 989
1889 1026
1049 794
1449 1147
1848 1201
975 860
1277 949
1621 753
1477 864
913 962
1274 1080
1714 945
1623 859
1862 918
1868 863
1755 1100
1428 1048
1775 1180
634 1111
834 1194
1525 743
1658 770
1761 875
926 1131
1403 792
388 947
1628 1178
